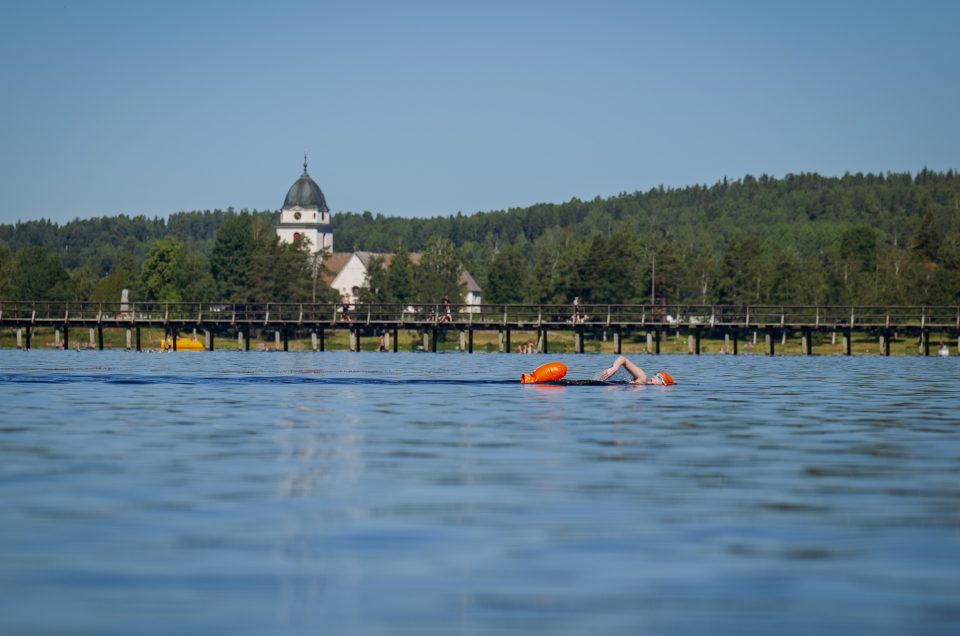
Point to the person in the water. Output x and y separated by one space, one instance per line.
639 375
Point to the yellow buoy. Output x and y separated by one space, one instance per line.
183 344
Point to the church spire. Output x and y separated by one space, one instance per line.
304 164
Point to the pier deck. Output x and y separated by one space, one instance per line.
370 319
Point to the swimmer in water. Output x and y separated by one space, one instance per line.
639 375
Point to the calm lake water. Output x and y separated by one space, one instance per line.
338 493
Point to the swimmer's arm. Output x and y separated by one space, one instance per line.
607 373
638 374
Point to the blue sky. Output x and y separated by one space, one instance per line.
430 108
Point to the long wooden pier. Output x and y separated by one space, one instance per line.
732 322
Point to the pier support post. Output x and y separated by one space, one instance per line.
56 337
322 337
543 346
806 345
174 334
730 342
847 342
656 341
100 337
27 337
885 343
137 337
66 337
578 341
617 343
240 341
355 340
286 339
433 340
276 340
209 339
736 342
425 340
649 342
469 340
19 337
693 341
770 349
395 340
246 339
925 342
129 339
463 340
313 341
93 338
503 340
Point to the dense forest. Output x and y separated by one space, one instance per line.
857 239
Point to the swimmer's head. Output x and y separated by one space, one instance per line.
664 378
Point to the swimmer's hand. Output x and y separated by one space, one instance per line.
606 373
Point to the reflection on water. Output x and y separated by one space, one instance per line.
401 493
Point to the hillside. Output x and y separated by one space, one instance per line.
867 239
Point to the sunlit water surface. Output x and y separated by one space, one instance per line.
337 493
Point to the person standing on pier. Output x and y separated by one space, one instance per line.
446 309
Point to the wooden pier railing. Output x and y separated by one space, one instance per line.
364 318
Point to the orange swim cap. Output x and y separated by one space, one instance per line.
665 378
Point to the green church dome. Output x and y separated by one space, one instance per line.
305 193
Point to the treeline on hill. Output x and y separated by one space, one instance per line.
804 239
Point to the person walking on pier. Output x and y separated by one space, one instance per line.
639 375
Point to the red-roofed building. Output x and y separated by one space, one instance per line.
347 273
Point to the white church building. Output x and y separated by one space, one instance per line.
305 214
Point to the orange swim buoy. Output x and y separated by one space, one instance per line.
549 372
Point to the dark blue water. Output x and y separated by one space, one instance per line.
337 493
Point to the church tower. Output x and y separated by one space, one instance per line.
305 214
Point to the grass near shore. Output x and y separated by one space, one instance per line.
487 342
